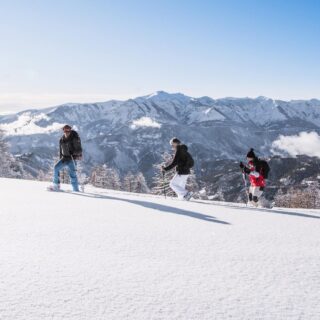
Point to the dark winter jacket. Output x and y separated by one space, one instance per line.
70 147
180 160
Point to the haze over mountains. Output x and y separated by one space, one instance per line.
133 134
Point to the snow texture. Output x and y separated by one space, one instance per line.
114 255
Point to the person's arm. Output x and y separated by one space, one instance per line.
174 162
244 168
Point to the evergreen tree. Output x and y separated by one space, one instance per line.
140 185
193 186
161 181
42 176
105 177
135 183
10 167
128 182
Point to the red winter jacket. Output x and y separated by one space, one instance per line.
256 178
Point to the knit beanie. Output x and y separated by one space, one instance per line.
251 154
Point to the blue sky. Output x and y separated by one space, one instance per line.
76 51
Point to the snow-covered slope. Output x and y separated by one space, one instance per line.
112 255
132 134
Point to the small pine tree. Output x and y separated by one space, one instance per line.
128 182
135 183
105 177
10 166
42 176
192 185
114 179
140 185
161 181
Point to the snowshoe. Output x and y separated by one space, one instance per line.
264 203
188 196
54 188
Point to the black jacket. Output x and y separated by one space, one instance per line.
70 147
180 160
257 166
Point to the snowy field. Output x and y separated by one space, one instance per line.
111 255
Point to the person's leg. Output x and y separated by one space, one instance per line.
178 185
56 171
256 194
72 166
183 183
250 194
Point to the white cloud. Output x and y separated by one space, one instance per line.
307 143
145 122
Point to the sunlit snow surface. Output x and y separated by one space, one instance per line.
113 255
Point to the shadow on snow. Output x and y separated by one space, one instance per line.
156 206
283 212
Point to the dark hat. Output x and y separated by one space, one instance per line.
66 127
174 140
251 154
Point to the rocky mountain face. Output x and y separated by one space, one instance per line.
133 134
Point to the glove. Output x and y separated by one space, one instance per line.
241 165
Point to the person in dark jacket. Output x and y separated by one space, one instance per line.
70 151
180 163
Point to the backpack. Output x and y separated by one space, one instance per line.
189 161
264 168
77 147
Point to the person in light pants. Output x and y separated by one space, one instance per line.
178 185
182 162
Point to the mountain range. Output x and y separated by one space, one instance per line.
133 134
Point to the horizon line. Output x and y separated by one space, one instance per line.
127 98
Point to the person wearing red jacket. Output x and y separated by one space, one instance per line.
255 170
